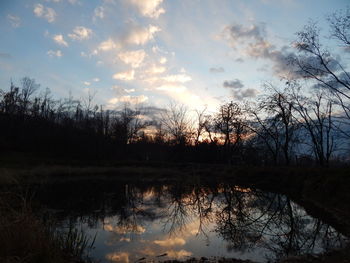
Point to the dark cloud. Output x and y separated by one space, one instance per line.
245 94
311 65
233 84
5 55
153 112
253 42
344 77
15 21
249 93
153 109
238 91
217 70
238 32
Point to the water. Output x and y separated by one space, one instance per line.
179 220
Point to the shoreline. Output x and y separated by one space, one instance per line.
320 191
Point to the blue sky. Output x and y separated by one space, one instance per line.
195 52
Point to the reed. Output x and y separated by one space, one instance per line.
25 238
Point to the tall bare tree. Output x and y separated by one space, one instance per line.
273 122
318 64
228 121
177 123
315 115
200 125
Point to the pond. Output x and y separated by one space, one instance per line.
159 221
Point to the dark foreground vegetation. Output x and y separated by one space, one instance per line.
27 237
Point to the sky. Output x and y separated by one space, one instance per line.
199 53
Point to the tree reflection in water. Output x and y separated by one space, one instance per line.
246 219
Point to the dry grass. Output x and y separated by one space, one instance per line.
26 239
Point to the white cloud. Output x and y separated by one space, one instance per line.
99 12
126 75
60 40
52 53
140 36
129 90
149 8
157 49
163 60
87 83
128 99
182 78
107 45
133 99
133 58
96 79
80 33
45 12
151 80
120 91
173 88
15 21
156 70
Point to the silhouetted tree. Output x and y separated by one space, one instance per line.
316 63
200 122
177 123
273 123
315 115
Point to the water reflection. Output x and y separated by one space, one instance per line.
143 222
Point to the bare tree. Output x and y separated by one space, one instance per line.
228 121
317 64
273 122
200 128
316 117
209 128
340 26
127 125
177 123
10 100
28 88
265 130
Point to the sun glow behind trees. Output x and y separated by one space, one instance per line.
311 100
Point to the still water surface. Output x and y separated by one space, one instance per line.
143 222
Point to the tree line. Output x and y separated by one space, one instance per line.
303 119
